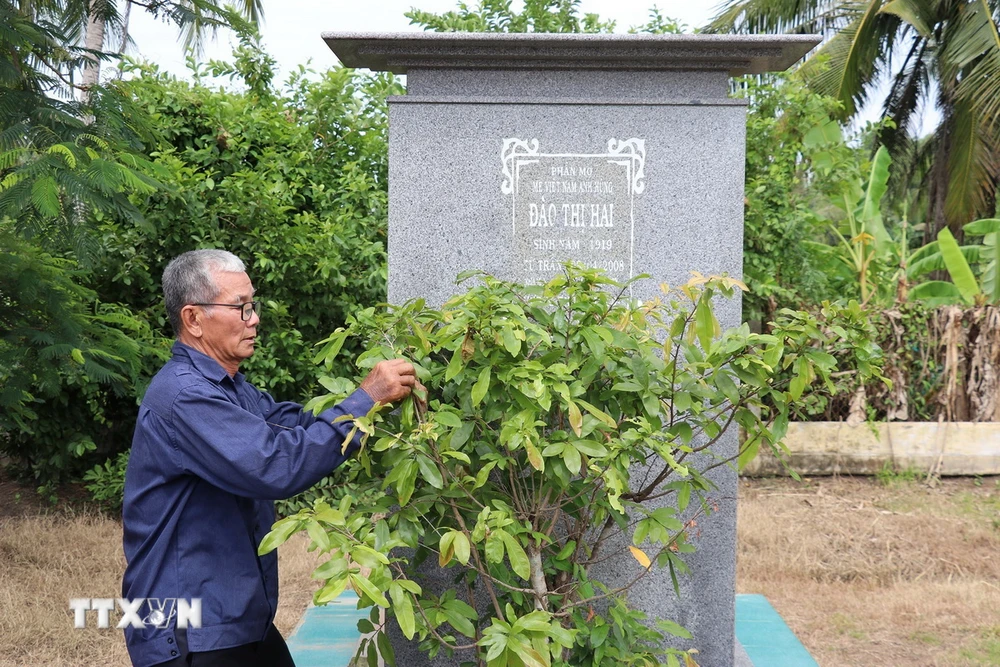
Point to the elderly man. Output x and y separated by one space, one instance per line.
210 454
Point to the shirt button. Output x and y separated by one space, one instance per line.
173 653
170 640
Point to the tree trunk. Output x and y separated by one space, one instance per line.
96 21
938 188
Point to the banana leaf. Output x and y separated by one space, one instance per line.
922 263
936 293
958 267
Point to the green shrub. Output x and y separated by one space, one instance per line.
71 366
293 182
106 483
518 477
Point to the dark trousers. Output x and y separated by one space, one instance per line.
271 652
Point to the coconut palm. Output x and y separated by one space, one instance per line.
194 18
932 51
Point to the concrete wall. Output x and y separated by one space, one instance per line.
828 448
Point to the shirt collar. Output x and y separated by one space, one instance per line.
204 364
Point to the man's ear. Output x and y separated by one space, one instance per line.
191 317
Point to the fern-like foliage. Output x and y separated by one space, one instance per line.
67 363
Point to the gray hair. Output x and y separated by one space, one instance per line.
188 279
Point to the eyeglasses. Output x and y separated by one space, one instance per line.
245 308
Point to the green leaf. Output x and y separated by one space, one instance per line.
446 548
727 386
748 452
534 457
568 550
449 419
705 325
515 553
460 623
455 366
673 628
385 649
878 183
683 496
77 355
329 515
825 133
572 459
991 273
331 569
462 435
575 418
910 11
800 381
936 292
510 341
365 556
332 347
590 448
494 547
318 535
536 621
958 268
484 473
982 227
362 585
45 196
481 387
430 471
463 550
607 419
330 591
406 481
279 534
403 609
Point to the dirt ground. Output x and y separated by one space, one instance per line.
872 572
866 572
48 556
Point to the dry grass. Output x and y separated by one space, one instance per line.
47 559
869 574
864 574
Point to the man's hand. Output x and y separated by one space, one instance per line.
393 380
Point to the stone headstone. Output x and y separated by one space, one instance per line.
513 153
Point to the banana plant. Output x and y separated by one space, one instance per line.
862 234
945 253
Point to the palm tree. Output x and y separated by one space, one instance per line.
933 51
194 18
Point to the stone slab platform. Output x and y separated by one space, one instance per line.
328 636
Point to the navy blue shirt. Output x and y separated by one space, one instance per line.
210 455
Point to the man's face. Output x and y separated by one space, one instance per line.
225 336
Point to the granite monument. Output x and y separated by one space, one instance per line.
513 153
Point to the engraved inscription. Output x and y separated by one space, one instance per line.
568 206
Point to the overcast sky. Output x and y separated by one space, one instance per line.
292 28
291 32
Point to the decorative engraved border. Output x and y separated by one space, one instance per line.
512 150
635 149
631 153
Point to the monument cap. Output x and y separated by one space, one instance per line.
735 54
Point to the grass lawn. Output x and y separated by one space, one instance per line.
866 572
